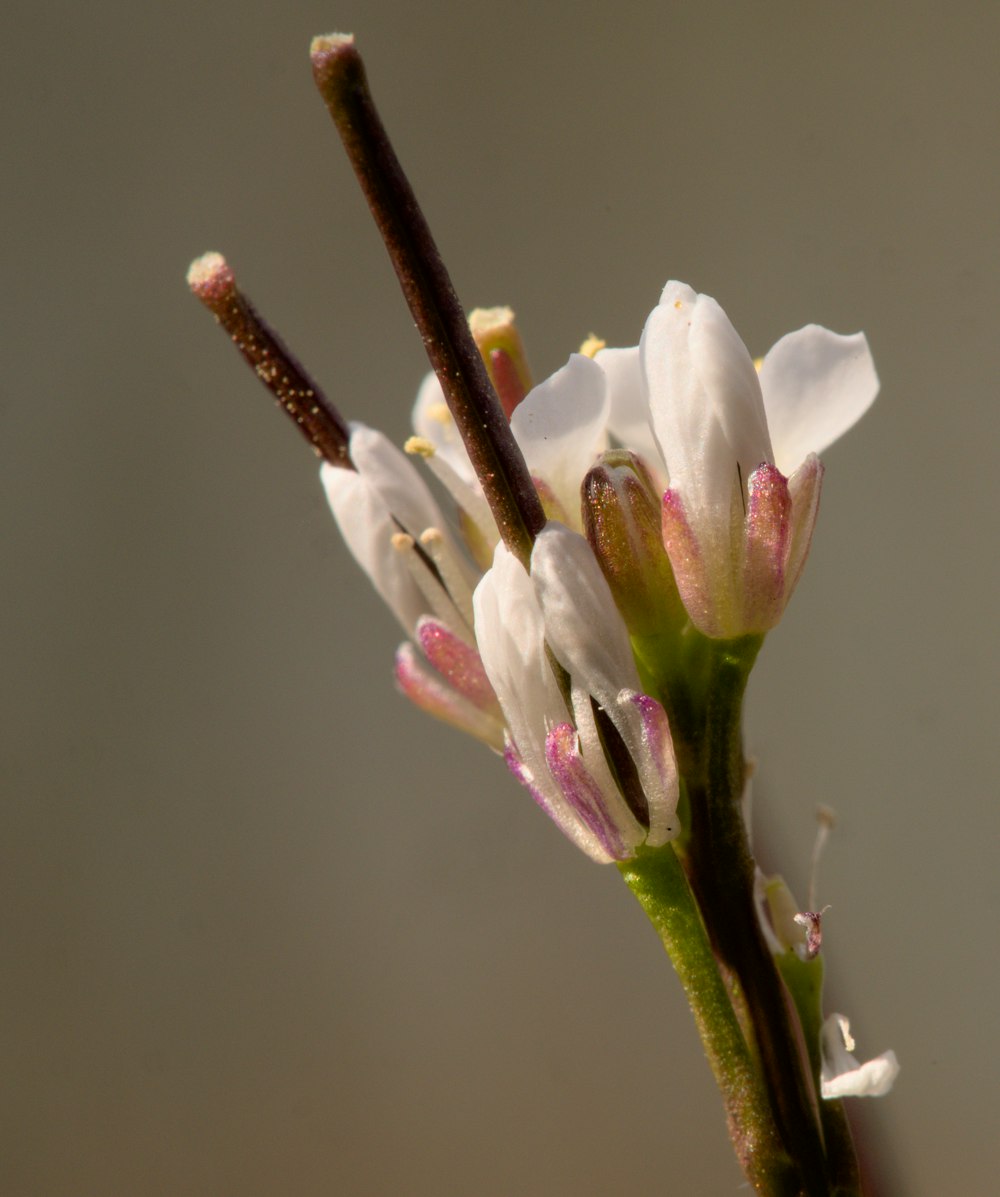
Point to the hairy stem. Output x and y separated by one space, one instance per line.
657 879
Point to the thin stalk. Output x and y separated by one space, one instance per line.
804 981
427 288
657 879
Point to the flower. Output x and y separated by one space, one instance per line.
842 1075
555 746
394 529
737 448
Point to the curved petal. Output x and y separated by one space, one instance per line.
561 427
511 640
816 385
390 473
582 624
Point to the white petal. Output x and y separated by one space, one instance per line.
705 402
585 631
816 385
512 646
368 528
582 624
628 417
511 640
842 1075
394 477
561 427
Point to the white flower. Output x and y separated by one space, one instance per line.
738 449
554 747
842 1075
395 531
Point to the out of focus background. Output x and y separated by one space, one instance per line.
268 930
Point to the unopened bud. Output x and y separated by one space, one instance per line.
621 516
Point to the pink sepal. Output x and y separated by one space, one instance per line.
581 791
558 810
804 486
458 663
652 749
688 563
431 693
767 534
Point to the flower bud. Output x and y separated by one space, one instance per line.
621 518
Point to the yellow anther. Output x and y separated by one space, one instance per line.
419 446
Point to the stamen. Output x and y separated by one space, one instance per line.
424 572
213 282
826 819
812 919
495 456
592 346
450 569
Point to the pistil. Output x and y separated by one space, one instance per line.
427 288
213 282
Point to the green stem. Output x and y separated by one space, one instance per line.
658 881
722 874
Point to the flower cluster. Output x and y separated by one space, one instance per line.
623 536
538 662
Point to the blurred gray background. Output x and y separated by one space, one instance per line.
265 928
